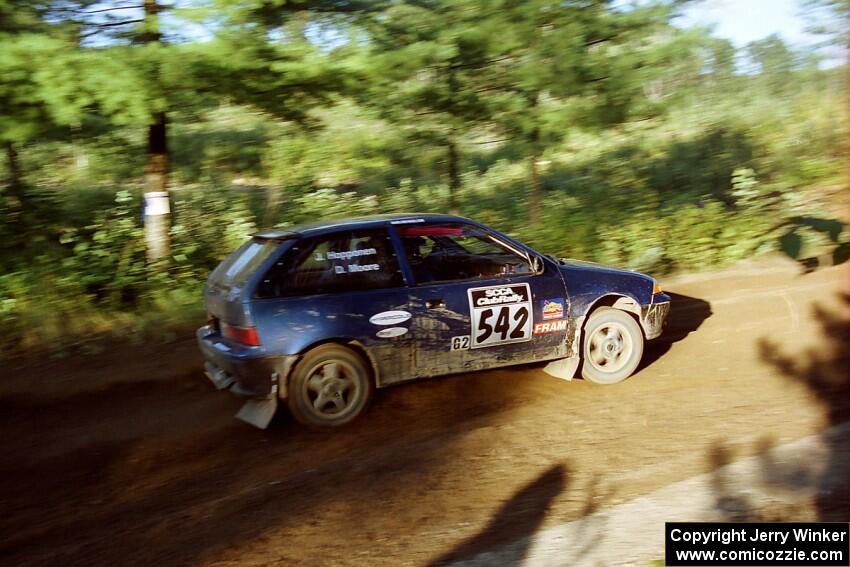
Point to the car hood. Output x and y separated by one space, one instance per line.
594 267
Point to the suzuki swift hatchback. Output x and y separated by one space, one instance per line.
319 315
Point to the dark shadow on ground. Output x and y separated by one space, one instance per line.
825 371
791 241
687 314
515 522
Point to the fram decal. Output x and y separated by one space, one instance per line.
550 327
389 317
552 308
391 332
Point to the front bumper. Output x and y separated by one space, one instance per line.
248 372
653 317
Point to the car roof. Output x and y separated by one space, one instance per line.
307 229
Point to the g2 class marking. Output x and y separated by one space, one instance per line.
500 314
389 317
460 343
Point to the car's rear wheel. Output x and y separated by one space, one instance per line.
612 346
329 387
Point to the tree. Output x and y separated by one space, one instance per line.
156 167
241 58
65 59
775 62
424 70
23 110
51 87
832 20
573 64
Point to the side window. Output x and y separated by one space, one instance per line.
338 262
455 252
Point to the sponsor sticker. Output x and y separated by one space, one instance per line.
500 314
391 332
550 327
389 317
552 308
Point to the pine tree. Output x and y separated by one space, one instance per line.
573 64
23 110
425 63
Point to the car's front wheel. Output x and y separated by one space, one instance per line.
612 346
329 387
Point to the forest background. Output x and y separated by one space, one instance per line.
590 129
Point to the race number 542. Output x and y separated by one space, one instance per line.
500 315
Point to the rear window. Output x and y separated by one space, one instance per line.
342 261
235 270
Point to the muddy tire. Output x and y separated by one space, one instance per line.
330 386
612 346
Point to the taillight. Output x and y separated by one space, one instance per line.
245 335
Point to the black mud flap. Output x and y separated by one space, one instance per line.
258 413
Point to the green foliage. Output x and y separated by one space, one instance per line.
327 203
108 254
745 188
207 224
91 280
650 149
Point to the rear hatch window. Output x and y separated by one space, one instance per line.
237 268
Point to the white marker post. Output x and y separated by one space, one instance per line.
157 222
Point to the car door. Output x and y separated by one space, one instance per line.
475 301
342 285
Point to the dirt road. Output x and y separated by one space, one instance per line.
132 458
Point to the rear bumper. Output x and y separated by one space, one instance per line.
653 317
248 372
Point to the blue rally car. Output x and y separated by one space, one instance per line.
320 315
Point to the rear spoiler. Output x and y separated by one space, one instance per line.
277 235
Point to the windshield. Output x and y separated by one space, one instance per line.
455 252
235 270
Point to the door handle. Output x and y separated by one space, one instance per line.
435 303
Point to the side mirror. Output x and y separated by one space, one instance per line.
537 265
